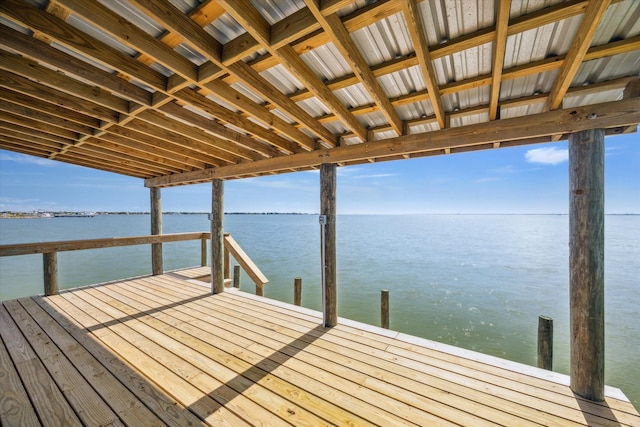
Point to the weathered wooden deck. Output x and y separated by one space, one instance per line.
162 350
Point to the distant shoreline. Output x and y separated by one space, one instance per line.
73 214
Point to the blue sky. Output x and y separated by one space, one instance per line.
529 179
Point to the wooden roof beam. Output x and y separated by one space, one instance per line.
210 48
141 41
245 13
499 45
341 39
590 21
537 126
416 30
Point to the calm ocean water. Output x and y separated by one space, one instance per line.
475 281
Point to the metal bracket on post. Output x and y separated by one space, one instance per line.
323 223
210 216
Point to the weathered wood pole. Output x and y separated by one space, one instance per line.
203 252
297 291
545 343
586 262
217 236
227 262
384 308
236 276
156 228
328 210
50 269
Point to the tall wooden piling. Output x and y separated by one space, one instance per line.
236 276
217 236
156 228
384 308
545 343
586 262
50 269
297 291
328 210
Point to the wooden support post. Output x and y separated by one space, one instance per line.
203 252
236 276
586 262
297 291
50 268
227 262
259 290
384 308
545 343
328 210
217 236
156 228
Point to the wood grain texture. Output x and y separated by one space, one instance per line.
586 262
162 349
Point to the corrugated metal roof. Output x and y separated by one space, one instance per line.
459 36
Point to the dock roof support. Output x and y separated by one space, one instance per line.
217 236
157 266
586 262
328 210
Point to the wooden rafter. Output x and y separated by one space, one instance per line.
592 16
606 115
107 94
416 29
341 38
244 12
499 45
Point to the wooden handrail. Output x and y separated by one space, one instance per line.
50 250
247 263
74 245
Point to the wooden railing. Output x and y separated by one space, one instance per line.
49 251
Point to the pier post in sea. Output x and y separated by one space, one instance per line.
217 236
586 262
328 213
156 228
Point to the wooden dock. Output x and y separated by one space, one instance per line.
162 350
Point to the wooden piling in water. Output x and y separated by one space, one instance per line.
50 267
297 291
203 252
236 276
217 236
545 343
157 266
586 262
328 210
384 308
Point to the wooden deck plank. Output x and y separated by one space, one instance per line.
88 405
162 405
578 411
15 406
115 394
382 387
162 350
256 366
528 388
198 354
384 381
136 349
270 360
47 399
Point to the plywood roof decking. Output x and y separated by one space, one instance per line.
162 350
180 91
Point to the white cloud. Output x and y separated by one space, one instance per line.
547 155
377 175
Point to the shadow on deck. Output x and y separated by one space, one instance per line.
162 350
